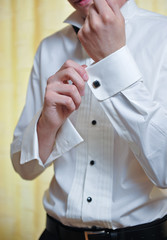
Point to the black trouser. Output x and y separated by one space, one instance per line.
46 235
156 230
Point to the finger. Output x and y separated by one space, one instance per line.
80 70
70 91
69 74
102 7
63 100
93 16
113 4
84 66
85 30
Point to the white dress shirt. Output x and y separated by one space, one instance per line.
111 172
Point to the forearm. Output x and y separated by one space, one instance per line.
24 149
29 170
46 139
139 120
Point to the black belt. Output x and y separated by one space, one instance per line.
156 230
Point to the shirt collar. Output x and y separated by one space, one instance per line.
128 10
75 19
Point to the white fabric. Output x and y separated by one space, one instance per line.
129 142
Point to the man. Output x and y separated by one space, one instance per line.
101 119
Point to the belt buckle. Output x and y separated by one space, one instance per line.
92 233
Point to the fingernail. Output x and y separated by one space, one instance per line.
85 77
84 66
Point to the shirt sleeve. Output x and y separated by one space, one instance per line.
24 148
140 120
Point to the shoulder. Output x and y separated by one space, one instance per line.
151 27
152 19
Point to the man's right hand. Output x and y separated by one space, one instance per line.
63 96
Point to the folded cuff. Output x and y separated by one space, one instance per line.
66 139
113 74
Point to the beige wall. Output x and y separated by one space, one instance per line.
23 23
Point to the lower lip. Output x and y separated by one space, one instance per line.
84 2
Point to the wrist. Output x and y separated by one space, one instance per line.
108 52
45 129
46 138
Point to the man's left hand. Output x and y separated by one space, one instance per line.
104 29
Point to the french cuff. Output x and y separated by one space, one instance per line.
66 139
113 74
29 147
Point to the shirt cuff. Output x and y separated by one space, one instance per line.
67 138
113 74
29 147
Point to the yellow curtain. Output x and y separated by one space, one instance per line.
23 23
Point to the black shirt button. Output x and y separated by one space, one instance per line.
89 199
92 162
96 84
94 122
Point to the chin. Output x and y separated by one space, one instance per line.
82 6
